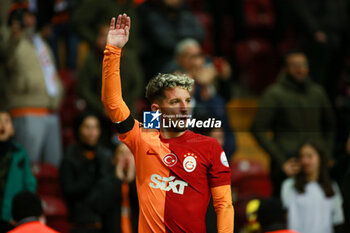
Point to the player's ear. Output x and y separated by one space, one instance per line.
155 107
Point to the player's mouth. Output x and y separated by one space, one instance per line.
2 131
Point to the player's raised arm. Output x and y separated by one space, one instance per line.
111 97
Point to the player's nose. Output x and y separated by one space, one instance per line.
184 107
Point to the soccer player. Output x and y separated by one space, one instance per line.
176 170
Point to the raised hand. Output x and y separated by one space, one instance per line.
118 34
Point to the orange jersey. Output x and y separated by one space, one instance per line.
174 177
35 226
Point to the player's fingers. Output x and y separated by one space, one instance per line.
123 20
128 22
126 30
112 24
119 21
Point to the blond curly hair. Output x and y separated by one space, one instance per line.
156 86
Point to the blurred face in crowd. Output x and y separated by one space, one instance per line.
90 131
6 127
101 38
192 59
297 66
29 20
309 160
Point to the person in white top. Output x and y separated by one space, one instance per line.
313 201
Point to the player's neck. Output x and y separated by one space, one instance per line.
170 134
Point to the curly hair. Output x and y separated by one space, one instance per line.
156 86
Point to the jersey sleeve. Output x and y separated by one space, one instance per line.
132 137
219 170
222 200
111 94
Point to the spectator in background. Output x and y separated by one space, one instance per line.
294 109
89 78
342 106
272 217
313 201
27 212
212 75
15 171
90 19
62 30
322 27
341 168
345 185
206 102
88 183
174 23
124 164
33 89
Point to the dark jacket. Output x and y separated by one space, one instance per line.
92 191
90 75
171 27
329 16
294 113
19 178
87 18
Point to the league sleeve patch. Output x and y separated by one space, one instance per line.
223 159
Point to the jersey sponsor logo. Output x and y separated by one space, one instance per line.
168 183
189 162
170 159
151 120
223 159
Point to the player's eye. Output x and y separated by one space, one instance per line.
174 101
188 100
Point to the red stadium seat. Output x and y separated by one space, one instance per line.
56 213
207 23
47 178
248 50
259 14
250 179
258 61
71 105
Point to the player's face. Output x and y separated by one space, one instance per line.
6 127
309 160
177 103
90 131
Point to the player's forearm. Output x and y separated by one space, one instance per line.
223 207
111 87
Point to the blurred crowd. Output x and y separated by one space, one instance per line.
56 139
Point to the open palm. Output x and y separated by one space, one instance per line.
118 34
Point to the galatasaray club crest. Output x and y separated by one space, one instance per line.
190 162
170 159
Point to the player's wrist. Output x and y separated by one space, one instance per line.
113 48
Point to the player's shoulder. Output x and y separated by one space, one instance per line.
151 134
